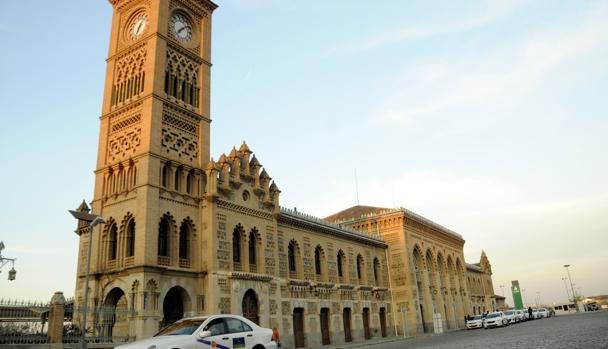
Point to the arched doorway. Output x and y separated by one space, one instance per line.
250 306
113 314
173 306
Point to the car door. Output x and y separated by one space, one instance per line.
241 335
220 338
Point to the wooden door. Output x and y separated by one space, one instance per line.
366 332
250 307
325 326
298 327
383 322
346 319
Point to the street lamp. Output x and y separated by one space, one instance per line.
525 298
502 287
92 220
3 261
538 299
567 266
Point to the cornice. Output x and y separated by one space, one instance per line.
242 209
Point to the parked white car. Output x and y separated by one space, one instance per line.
511 316
520 315
476 322
543 312
495 319
218 331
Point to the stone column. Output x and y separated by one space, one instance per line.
56 317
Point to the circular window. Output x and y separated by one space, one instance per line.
245 195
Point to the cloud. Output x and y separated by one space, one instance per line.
496 80
495 10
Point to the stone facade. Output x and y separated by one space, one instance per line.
481 288
186 235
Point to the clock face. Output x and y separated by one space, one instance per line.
182 29
139 26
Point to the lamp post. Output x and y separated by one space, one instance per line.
4 260
502 287
525 298
567 266
537 299
92 220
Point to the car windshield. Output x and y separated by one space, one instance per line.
510 312
477 317
493 315
184 327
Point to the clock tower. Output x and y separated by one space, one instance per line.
149 178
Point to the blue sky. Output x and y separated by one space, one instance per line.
488 117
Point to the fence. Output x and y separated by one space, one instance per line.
23 322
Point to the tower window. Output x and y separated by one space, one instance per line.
113 242
252 247
163 238
184 240
131 238
236 245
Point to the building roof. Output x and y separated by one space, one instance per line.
474 267
355 212
297 218
360 212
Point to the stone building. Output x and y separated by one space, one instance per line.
187 235
481 288
426 264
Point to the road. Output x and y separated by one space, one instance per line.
588 330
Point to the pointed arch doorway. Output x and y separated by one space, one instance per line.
250 306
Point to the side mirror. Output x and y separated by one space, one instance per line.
204 334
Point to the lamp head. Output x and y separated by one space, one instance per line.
12 274
566 265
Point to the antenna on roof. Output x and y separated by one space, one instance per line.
357 186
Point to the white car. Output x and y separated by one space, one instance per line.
536 314
543 312
520 315
511 316
495 319
218 331
476 322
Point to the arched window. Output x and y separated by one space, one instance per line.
376 269
318 260
291 256
178 179
165 176
340 263
190 183
163 238
252 247
113 242
359 266
184 240
236 245
131 238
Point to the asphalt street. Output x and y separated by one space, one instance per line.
587 330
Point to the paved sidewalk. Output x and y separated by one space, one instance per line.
359 344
